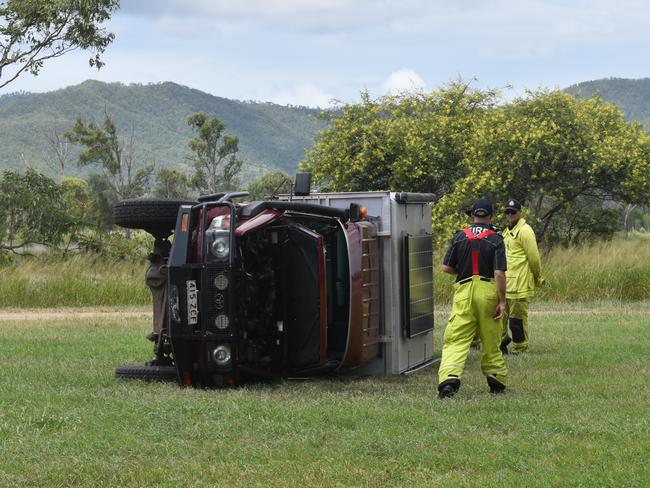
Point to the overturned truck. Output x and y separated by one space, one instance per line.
307 285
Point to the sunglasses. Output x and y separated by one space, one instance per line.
510 212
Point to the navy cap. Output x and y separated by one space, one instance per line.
481 208
513 204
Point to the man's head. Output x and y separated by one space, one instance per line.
512 211
481 211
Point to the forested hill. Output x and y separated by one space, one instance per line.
270 135
633 96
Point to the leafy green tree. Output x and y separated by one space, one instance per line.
562 157
171 183
216 165
270 184
412 141
78 206
104 199
32 32
34 209
114 155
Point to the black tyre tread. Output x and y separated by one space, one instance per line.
147 213
146 373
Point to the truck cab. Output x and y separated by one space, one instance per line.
308 285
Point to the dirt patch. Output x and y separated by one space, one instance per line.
11 314
82 313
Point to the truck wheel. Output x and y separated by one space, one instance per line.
154 215
146 373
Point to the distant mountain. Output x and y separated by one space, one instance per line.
270 136
632 96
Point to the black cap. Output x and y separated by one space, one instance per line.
481 208
513 204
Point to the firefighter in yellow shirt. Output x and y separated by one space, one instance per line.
523 276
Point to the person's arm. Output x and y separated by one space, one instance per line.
529 243
449 261
500 278
500 267
448 269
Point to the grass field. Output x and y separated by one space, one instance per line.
81 280
603 270
577 414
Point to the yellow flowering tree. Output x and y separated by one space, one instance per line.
569 161
413 141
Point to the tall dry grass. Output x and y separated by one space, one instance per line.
616 270
612 270
80 280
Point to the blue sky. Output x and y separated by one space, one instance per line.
310 52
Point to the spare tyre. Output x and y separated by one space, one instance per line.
154 215
146 373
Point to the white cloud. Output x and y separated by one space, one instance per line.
403 80
312 17
306 94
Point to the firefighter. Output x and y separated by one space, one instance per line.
524 274
477 257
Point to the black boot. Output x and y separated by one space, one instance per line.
448 388
495 385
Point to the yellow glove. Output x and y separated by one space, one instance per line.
540 282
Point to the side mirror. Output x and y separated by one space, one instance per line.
302 185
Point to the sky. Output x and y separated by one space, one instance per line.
325 52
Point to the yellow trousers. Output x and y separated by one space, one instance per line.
471 313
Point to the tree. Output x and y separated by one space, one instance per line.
34 209
57 150
115 155
79 208
568 160
216 165
269 185
562 157
413 141
104 199
32 32
172 184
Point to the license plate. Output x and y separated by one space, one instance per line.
192 303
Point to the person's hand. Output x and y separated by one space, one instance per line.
498 312
540 282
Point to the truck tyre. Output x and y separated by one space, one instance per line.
146 373
154 215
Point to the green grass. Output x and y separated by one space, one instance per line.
577 414
80 280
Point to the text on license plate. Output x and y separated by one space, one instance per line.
192 303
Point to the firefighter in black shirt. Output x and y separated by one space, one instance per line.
477 257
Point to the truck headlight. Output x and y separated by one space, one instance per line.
221 355
220 247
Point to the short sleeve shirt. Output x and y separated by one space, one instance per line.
491 253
